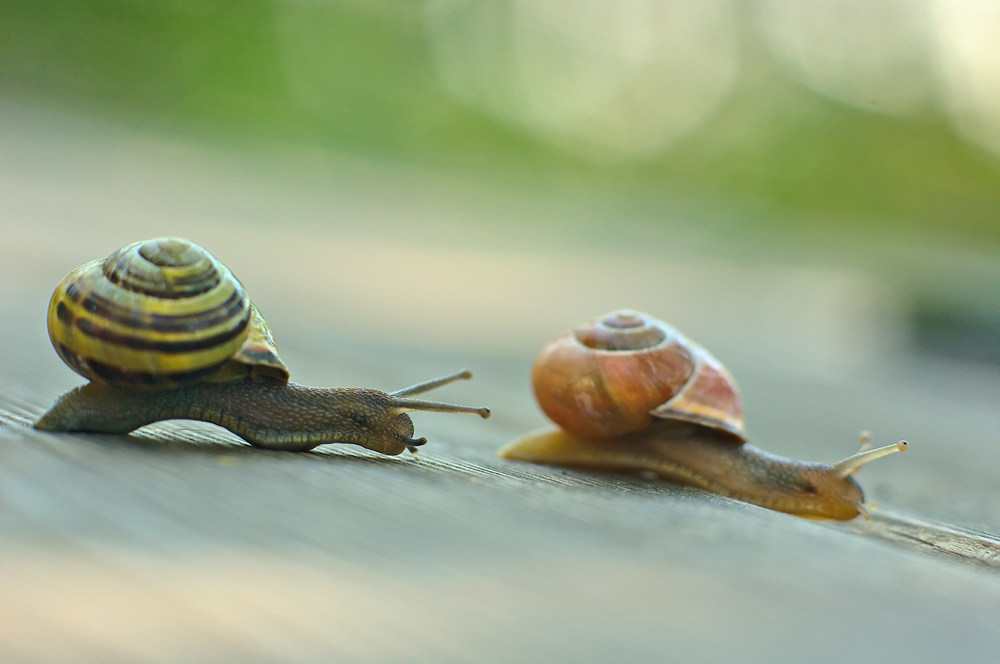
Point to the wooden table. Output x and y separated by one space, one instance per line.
180 543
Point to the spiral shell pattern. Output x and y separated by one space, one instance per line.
156 315
620 373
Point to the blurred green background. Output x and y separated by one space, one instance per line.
861 124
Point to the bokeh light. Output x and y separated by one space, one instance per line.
608 80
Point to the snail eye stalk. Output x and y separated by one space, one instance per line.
853 463
435 406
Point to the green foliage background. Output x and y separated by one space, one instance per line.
215 70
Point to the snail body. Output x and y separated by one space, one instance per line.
631 394
162 330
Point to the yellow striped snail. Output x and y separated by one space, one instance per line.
630 394
162 330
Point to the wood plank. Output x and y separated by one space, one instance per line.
181 543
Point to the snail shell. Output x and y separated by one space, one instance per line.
621 372
160 314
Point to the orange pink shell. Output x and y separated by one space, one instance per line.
620 373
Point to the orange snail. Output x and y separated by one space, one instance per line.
630 394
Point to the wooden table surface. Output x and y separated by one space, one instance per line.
180 543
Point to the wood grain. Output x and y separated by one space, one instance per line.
180 543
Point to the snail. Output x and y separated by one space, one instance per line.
631 394
163 330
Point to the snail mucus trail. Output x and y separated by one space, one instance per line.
631 394
162 330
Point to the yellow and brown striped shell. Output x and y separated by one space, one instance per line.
160 314
620 373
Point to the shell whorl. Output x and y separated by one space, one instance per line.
158 314
620 373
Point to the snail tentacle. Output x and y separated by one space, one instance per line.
853 463
436 406
432 384
439 407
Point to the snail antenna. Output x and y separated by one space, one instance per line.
440 407
434 383
851 464
865 438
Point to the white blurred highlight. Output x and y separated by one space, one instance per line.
628 79
968 43
871 54
609 80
